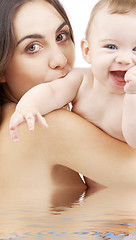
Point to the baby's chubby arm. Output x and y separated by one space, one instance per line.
129 108
45 98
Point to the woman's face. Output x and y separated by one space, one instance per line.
44 50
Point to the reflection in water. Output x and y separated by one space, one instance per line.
62 199
105 214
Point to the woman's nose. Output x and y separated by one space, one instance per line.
124 58
57 60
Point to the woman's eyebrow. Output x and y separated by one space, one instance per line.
61 26
30 36
39 35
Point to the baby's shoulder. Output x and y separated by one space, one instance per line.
83 73
80 70
87 77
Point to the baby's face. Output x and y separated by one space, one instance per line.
112 47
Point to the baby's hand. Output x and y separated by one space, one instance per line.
30 117
130 78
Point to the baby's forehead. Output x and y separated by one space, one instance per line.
109 26
106 16
95 18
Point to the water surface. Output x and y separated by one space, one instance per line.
35 214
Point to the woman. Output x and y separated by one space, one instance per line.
28 59
38 48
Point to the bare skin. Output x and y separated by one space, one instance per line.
87 150
75 143
95 93
35 167
70 141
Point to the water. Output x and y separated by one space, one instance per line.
34 214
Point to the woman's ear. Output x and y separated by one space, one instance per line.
85 50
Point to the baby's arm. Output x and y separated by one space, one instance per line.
129 108
45 98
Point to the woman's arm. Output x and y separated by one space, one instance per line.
83 147
73 142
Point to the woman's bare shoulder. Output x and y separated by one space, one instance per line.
75 143
36 152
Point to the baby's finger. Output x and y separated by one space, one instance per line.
15 121
41 120
130 76
30 119
14 134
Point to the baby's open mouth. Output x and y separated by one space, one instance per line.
118 75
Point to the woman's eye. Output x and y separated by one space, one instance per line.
33 48
110 46
62 37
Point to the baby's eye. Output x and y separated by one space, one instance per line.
134 49
62 37
110 46
33 48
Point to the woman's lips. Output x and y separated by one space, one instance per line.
118 77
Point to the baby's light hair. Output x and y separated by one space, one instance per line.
114 7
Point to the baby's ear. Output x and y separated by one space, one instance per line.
85 50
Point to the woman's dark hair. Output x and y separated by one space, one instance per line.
8 9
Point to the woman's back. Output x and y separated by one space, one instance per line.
26 164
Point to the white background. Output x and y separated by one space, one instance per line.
78 12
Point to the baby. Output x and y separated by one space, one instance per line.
105 93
